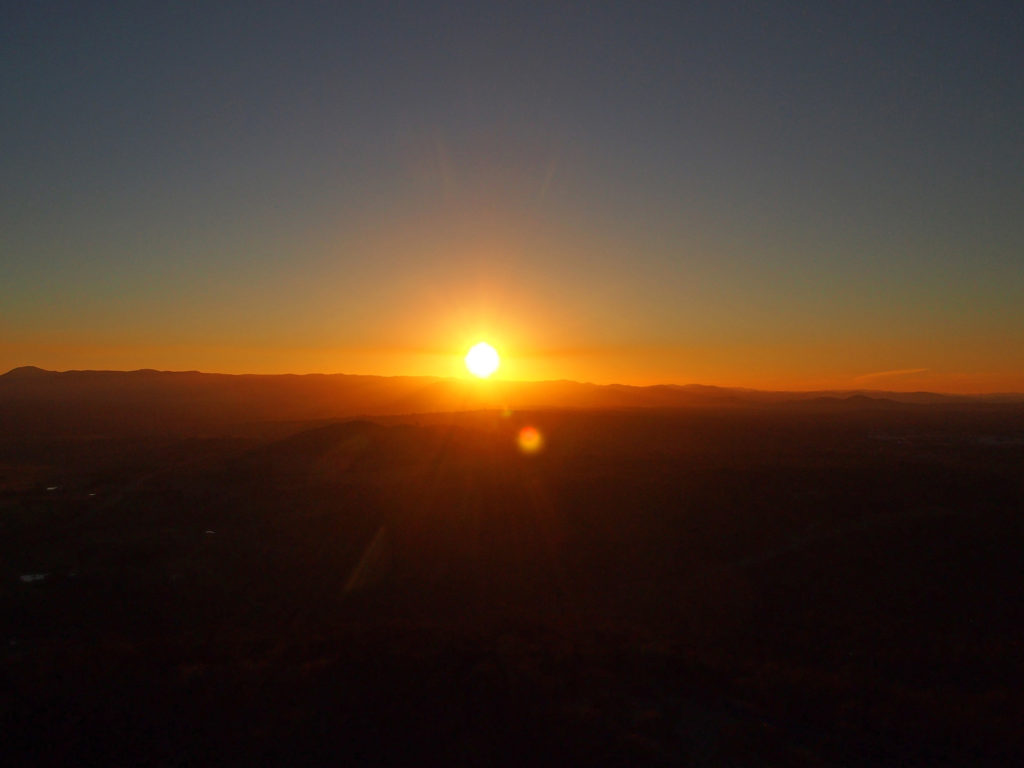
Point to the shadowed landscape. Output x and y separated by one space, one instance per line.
220 569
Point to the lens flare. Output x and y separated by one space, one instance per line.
482 360
530 440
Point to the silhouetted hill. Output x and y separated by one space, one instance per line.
189 402
858 401
27 372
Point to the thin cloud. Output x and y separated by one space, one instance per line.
890 374
552 167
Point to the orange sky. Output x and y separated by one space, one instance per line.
556 298
626 366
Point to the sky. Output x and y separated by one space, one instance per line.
779 195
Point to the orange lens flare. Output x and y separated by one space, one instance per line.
530 440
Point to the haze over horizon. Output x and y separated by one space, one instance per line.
774 197
489 394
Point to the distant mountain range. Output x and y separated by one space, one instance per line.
146 400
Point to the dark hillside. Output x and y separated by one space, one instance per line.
824 586
188 403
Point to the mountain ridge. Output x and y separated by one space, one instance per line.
32 372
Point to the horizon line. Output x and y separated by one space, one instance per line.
484 382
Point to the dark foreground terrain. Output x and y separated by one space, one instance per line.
829 582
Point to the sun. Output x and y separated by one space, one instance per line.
482 360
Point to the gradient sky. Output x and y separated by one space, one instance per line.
784 195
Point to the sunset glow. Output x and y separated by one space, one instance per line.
604 383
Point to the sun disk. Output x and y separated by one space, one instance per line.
482 360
